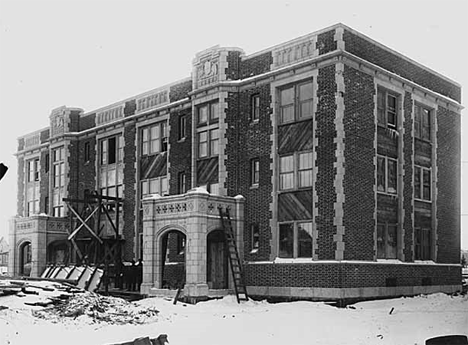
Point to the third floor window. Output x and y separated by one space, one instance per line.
295 102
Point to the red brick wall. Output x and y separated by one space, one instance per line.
44 183
72 155
129 108
448 186
359 180
129 190
248 140
368 51
180 91
326 42
326 133
180 155
234 61
255 65
87 122
87 169
408 177
347 275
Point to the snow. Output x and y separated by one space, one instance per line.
223 321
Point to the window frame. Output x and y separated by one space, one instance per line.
254 172
386 175
422 252
296 239
182 126
296 103
422 184
159 182
388 255
58 181
254 237
182 182
149 138
384 110
419 125
209 142
296 171
255 107
212 112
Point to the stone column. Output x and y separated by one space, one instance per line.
39 246
13 262
151 259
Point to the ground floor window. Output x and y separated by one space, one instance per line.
295 240
386 241
422 244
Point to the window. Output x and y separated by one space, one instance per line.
422 183
386 241
254 237
207 113
255 108
180 243
295 102
254 172
387 114
422 123
386 175
295 170
154 139
33 170
58 181
295 240
157 185
182 183
182 127
208 143
111 150
87 151
47 163
422 244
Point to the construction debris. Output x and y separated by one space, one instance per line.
97 308
62 301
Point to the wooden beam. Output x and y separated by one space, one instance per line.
78 228
86 225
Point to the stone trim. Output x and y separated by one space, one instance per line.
340 162
340 293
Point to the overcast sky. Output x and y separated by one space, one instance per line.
88 54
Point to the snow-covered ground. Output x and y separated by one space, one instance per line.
412 321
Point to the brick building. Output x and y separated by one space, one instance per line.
338 157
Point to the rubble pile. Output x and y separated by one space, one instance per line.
97 309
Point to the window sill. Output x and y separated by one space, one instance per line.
424 262
254 251
423 200
253 122
292 260
395 195
254 186
294 190
181 140
295 121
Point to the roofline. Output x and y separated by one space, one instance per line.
398 54
115 104
33 132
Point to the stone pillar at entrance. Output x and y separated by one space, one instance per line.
193 214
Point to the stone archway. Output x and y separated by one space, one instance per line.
172 259
25 258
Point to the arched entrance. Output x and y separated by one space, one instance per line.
216 261
25 259
58 252
173 253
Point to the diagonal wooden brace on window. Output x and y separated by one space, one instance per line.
79 227
83 223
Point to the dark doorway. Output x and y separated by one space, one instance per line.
57 253
173 259
25 259
217 261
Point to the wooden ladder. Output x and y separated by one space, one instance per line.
235 263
